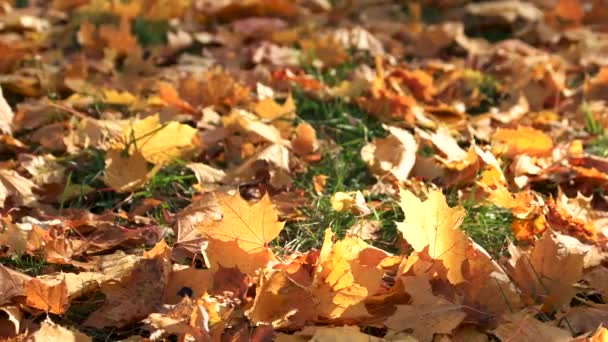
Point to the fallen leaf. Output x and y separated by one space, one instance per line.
133 296
522 140
50 332
251 226
50 295
522 204
395 154
160 143
432 224
583 319
427 314
281 302
6 115
522 326
11 284
548 274
10 323
206 174
305 141
319 182
347 273
126 173
16 186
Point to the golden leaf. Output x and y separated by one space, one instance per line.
160 144
347 273
251 226
522 204
434 225
522 140
281 302
125 173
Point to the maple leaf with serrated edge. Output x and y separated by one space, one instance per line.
434 225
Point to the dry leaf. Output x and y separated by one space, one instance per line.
16 186
395 154
427 314
49 295
347 274
10 322
11 284
523 140
160 143
523 204
281 302
432 224
305 141
522 326
126 173
251 226
6 115
206 174
50 332
548 274
133 296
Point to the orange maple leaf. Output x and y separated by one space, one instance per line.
251 226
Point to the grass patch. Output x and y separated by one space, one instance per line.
33 265
27 264
173 184
489 226
347 129
598 146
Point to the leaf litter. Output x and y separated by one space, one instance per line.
303 171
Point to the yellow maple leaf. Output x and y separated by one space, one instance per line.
347 273
434 225
116 97
125 173
161 143
522 140
281 302
252 227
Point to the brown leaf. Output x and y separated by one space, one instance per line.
394 155
16 186
522 326
281 302
548 273
427 314
133 296
12 284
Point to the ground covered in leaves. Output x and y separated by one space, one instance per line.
351 170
